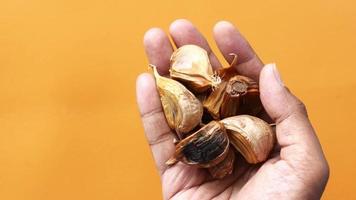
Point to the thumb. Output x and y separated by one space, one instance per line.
287 111
300 147
295 135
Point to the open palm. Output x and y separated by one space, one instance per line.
297 168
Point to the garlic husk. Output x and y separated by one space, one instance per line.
251 136
225 167
190 65
237 95
214 101
225 73
246 90
182 109
205 148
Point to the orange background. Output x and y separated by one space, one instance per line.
69 126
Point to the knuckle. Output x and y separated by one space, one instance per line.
161 138
151 113
322 171
326 170
300 107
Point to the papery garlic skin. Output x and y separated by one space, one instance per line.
237 95
190 65
225 167
247 91
191 57
251 136
182 109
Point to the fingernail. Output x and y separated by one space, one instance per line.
277 76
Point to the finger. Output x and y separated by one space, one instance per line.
300 147
293 126
184 32
158 134
158 49
229 40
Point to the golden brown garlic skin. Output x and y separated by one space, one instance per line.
251 136
237 95
182 109
248 92
191 66
225 167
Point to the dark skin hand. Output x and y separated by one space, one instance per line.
297 169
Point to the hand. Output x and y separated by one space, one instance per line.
297 168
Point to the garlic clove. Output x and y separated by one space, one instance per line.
182 109
237 95
251 136
205 148
225 167
190 65
246 91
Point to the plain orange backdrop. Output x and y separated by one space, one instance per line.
69 125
